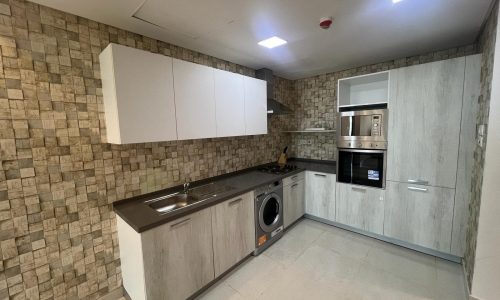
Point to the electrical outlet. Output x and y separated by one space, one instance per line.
480 141
481 132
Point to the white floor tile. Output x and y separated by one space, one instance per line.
318 261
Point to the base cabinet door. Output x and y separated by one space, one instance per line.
178 257
233 226
293 202
320 195
360 207
421 215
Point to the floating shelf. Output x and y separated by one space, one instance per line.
308 131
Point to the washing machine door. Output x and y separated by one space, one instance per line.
270 212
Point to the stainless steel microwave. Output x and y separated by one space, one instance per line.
365 129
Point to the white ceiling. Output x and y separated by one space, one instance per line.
363 31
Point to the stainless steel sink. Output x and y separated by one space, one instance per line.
210 190
168 203
172 202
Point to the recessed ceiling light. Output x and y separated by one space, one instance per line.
396 1
272 42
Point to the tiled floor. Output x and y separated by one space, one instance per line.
317 261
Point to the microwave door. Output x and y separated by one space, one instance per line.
346 126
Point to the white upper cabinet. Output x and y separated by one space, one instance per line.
255 106
152 98
194 100
230 103
138 95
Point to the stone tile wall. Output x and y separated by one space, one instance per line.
486 45
58 177
317 101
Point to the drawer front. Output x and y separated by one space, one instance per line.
360 207
294 178
420 215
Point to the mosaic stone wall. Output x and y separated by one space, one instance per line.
58 177
487 47
317 101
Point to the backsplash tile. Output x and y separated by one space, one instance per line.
58 177
486 45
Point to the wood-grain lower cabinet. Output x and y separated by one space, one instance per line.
320 195
360 207
420 215
178 257
233 226
293 201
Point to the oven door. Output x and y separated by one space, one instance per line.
362 167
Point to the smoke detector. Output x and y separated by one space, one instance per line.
325 23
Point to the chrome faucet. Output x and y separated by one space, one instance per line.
186 187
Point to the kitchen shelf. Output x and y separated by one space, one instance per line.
309 131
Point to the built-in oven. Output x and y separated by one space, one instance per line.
364 129
362 167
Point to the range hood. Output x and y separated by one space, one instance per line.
273 106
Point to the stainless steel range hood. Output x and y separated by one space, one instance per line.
273 106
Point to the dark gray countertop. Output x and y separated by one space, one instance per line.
141 217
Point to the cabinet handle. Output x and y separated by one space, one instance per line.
320 175
418 181
294 177
355 188
180 223
235 201
294 185
417 189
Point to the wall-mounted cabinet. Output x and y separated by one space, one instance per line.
362 90
255 106
229 103
138 95
194 100
151 98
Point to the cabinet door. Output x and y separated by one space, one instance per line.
178 257
360 207
420 215
424 123
293 202
320 195
230 103
255 106
194 100
138 91
233 226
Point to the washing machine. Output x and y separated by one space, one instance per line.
268 215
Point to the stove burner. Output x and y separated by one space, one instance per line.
278 169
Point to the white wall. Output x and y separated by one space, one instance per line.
486 281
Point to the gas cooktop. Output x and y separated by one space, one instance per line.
278 169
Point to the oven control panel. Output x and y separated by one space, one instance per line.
362 145
376 125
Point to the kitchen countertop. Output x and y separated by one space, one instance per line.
141 217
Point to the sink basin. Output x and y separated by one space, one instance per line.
210 190
168 203
172 202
